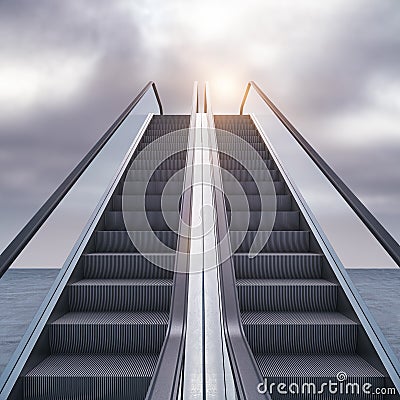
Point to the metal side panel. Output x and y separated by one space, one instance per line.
27 344
365 317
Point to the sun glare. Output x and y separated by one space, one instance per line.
225 85
225 90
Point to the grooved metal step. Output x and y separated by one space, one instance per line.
159 155
162 145
252 136
169 164
248 154
91 376
151 202
158 175
253 220
257 175
267 187
234 143
120 295
156 187
300 332
287 294
278 266
280 202
273 242
120 242
154 135
253 165
141 221
128 266
108 332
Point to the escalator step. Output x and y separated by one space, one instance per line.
274 242
159 155
161 144
230 164
91 376
299 332
287 294
151 202
141 221
246 155
120 242
120 295
169 164
127 266
278 266
151 187
281 202
259 175
267 187
178 139
108 332
253 220
158 175
251 136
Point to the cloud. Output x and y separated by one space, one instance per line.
69 68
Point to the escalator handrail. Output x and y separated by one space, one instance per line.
387 241
20 241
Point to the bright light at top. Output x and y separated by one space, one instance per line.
225 90
224 85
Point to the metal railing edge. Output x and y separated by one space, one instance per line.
15 247
386 240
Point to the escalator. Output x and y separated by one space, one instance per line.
295 315
126 320
105 334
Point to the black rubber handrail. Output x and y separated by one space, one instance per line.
376 228
12 251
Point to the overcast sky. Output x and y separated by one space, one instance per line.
68 68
